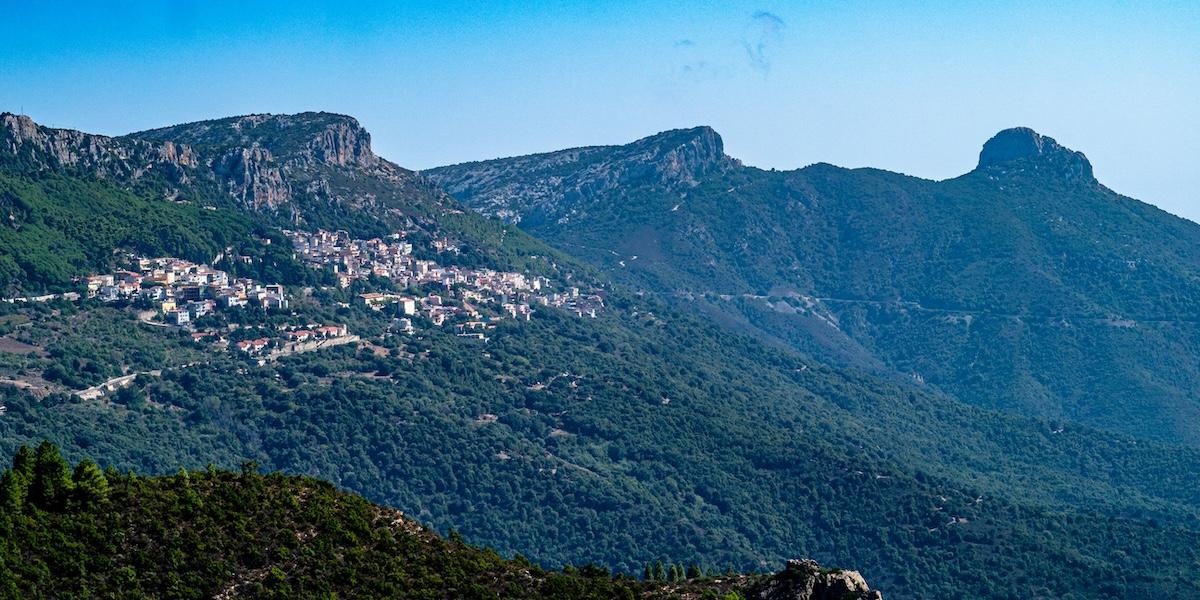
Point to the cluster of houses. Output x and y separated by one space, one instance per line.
295 339
183 291
467 297
469 300
287 339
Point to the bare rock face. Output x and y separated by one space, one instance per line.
806 580
103 156
252 177
343 143
674 158
299 167
563 185
303 139
1022 147
297 163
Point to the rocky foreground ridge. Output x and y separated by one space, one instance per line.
806 580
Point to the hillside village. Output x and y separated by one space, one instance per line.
177 292
470 299
183 291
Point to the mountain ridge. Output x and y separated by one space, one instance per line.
1025 245
291 167
340 140
674 158
643 432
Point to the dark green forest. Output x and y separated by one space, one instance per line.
84 532
56 228
571 440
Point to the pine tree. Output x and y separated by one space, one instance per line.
647 573
14 488
91 486
23 461
693 571
51 485
14 485
660 571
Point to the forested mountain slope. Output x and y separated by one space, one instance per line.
639 435
1024 285
642 437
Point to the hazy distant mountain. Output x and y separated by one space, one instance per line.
1024 285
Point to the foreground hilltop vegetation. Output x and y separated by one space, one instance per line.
87 533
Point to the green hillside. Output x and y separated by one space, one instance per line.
56 228
642 435
1024 285
647 437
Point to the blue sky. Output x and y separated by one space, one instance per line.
915 88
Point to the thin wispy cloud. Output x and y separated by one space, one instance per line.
762 32
693 63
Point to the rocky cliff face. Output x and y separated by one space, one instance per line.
343 143
252 177
806 580
560 186
1022 147
102 156
302 168
301 139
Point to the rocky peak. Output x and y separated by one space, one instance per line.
343 142
680 155
320 137
304 138
568 184
104 156
20 126
1026 146
806 580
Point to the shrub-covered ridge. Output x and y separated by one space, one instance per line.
87 533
